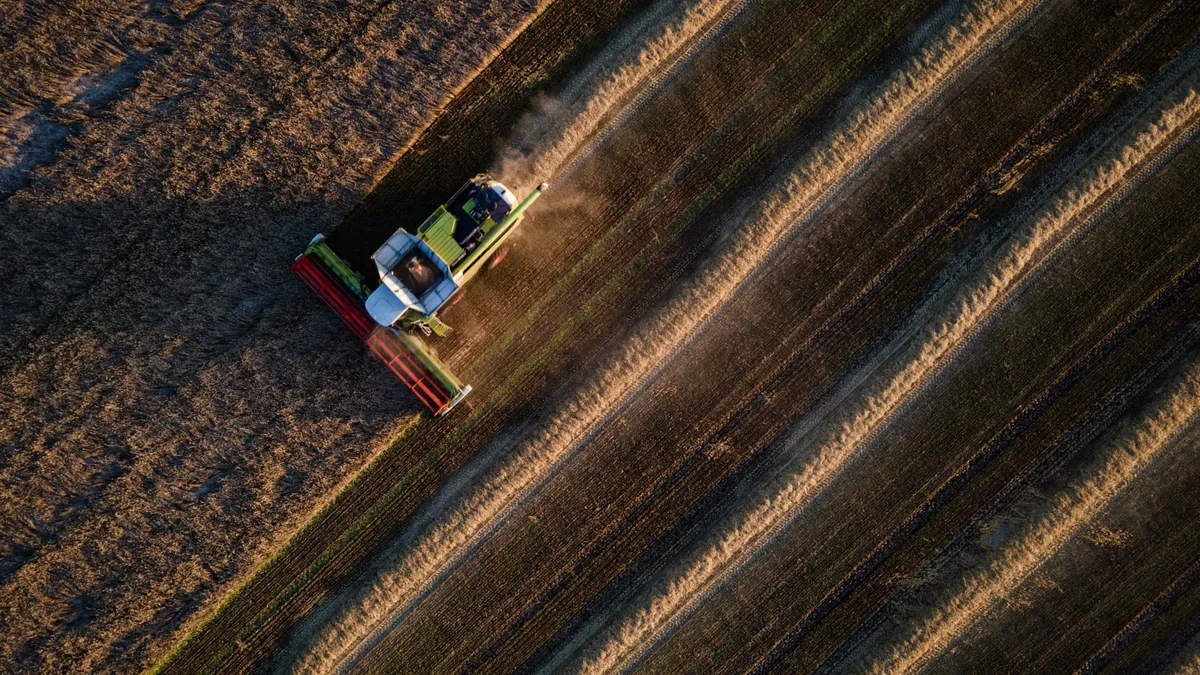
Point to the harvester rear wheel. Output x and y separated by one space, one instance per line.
496 258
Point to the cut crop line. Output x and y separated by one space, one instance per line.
595 111
1124 459
1087 199
846 154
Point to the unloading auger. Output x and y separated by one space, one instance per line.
418 275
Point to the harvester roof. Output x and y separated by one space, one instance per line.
414 277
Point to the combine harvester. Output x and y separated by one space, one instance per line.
418 275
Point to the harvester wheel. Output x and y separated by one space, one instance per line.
496 258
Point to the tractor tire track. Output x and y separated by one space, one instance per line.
1028 416
1054 563
1054 454
1184 583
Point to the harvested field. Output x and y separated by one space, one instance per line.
852 335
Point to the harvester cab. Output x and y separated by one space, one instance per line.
418 275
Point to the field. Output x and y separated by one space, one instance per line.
852 336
